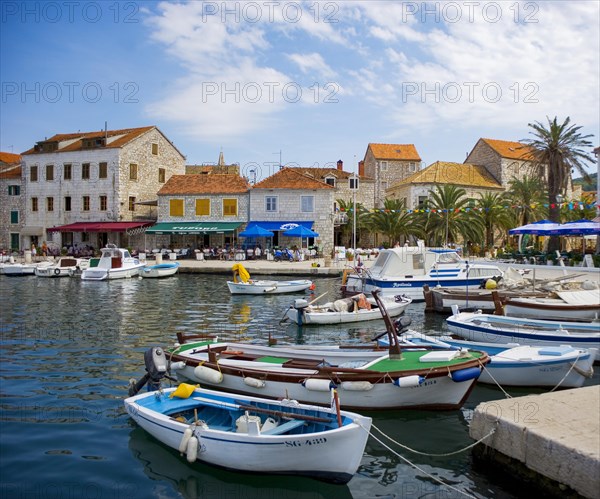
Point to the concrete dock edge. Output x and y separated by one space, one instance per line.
556 435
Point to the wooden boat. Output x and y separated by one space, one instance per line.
346 310
407 269
502 329
579 305
521 365
160 270
247 286
254 435
115 263
366 378
64 267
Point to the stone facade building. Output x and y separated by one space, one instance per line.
85 188
200 210
388 164
12 207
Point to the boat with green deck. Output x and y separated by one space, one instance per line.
366 376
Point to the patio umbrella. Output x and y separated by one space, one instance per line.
579 228
301 232
539 228
256 231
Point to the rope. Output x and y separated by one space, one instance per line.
506 394
432 477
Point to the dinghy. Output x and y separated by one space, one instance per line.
160 270
247 286
252 434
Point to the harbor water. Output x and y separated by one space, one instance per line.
69 348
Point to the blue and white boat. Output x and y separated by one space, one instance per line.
512 364
405 270
160 270
475 326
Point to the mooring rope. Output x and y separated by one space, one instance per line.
434 478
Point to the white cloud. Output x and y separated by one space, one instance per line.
312 64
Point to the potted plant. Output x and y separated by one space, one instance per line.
349 256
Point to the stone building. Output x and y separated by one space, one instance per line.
388 164
415 190
220 168
12 212
86 188
290 197
200 210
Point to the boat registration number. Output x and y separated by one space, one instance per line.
304 443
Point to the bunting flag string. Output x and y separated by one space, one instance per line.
570 206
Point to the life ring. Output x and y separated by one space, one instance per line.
57 271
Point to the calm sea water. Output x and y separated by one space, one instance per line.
69 347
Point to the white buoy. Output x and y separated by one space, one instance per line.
357 386
318 385
187 434
192 449
409 381
203 373
255 383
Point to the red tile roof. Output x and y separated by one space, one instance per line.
402 152
290 178
121 137
204 184
9 158
443 172
8 172
321 173
510 150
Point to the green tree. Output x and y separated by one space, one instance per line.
526 198
492 210
362 216
560 147
451 217
394 221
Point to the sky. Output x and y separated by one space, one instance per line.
298 83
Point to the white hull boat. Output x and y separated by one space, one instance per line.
525 365
345 311
268 287
583 305
23 269
407 269
255 435
160 270
115 263
65 267
502 329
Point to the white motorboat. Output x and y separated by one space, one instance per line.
64 267
160 270
115 263
253 434
407 269
354 309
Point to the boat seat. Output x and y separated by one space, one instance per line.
304 363
284 428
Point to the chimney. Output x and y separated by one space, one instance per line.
340 165
361 168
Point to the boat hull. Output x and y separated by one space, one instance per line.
332 455
551 310
268 287
161 270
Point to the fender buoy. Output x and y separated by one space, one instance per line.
255 383
409 381
56 271
466 374
318 385
192 450
203 373
357 386
187 434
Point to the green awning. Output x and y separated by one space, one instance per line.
192 227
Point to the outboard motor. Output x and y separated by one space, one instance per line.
402 324
156 369
300 304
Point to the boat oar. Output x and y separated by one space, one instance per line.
318 298
290 415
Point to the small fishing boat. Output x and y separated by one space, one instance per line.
367 378
247 286
407 269
160 270
22 269
115 263
578 305
252 434
476 326
64 267
520 365
354 309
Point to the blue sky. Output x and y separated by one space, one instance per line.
316 81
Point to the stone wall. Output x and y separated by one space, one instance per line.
7 205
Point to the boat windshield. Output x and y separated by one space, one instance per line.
449 257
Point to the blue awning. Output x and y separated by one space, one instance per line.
282 226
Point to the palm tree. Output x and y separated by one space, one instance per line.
450 217
491 207
526 198
561 148
394 221
361 220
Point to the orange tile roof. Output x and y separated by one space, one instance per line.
124 136
13 171
204 184
9 158
509 149
405 152
321 173
290 178
443 172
